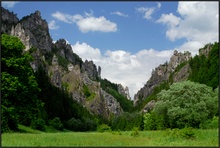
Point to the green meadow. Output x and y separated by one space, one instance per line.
30 137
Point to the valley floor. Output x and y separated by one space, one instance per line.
145 138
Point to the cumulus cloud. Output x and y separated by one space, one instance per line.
119 14
197 23
52 25
87 22
9 4
119 66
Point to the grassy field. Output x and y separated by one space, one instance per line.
145 138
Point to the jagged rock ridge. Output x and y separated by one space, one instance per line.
162 73
65 69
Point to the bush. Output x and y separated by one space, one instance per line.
38 124
186 103
104 128
74 124
89 125
210 124
135 132
187 132
56 123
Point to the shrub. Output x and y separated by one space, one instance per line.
210 124
38 124
104 128
74 124
187 132
56 123
135 132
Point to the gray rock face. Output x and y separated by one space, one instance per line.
111 103
9 19
205 51
39 28
162 73
183 74
90 68
63 49
124 91
149 106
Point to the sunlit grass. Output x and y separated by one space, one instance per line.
145 138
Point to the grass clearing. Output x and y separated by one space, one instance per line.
145 138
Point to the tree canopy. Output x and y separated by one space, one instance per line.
186 104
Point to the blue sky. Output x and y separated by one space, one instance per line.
127 39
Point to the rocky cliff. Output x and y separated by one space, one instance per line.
124 91
65 69
163 72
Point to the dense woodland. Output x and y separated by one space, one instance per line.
28 98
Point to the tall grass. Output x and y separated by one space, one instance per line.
145 138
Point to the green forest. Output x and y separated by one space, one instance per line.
28 98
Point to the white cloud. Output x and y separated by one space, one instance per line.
96 24
9 4
198 24
146 11
52 25
87 22
119 14
158 5
119 66
169 19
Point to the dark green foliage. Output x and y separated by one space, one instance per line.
186 104
187 132
127 121
88 94
73 124
104 128
206 70
125 104
89 125
38 124
56 123
48 57
112 89
18 86
63 62
105 84
86 90
210 124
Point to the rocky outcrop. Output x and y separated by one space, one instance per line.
9 19
65 69
64 49
162 73
124 91
205 51
90 68
149 106
35 25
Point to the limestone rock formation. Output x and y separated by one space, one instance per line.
9 19
162 73
65 69
124 91
90 68
149 106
